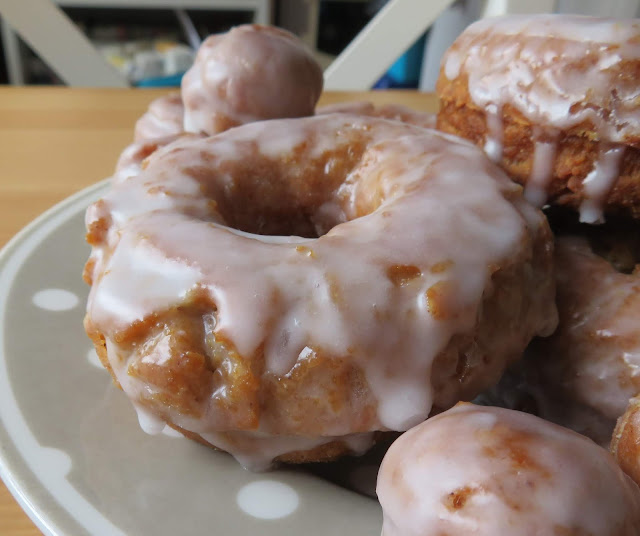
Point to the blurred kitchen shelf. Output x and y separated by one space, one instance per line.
260 8
122 20
326 26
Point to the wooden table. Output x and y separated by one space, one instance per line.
56 141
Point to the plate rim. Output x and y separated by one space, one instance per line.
9 474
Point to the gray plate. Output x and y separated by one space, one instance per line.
71 450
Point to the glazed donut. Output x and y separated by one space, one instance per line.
493 471
625 443
228 299
250 73
553 99
594 356
164 117
395 112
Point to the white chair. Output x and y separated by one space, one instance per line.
401 22
396 26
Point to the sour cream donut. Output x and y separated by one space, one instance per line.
250 73
290 287
554 100
492 471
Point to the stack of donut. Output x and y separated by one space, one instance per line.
292 285
554 101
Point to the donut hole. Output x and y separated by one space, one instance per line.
298 194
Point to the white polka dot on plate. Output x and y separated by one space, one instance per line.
268 499
55 461
55 299
93 358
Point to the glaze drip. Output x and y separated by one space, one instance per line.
535 190
598 183
564 74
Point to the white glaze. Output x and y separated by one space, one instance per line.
148 421
395 112
558 71
163 118
535 190
522 476
598 183
132 158
531 63
159 221
493 144
138 268
249 74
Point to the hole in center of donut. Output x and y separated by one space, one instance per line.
279 221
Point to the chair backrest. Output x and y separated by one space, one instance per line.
69 52
396 26
59 43
401 22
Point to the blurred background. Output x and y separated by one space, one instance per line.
151 43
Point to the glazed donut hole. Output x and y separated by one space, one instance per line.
250 73
491 471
